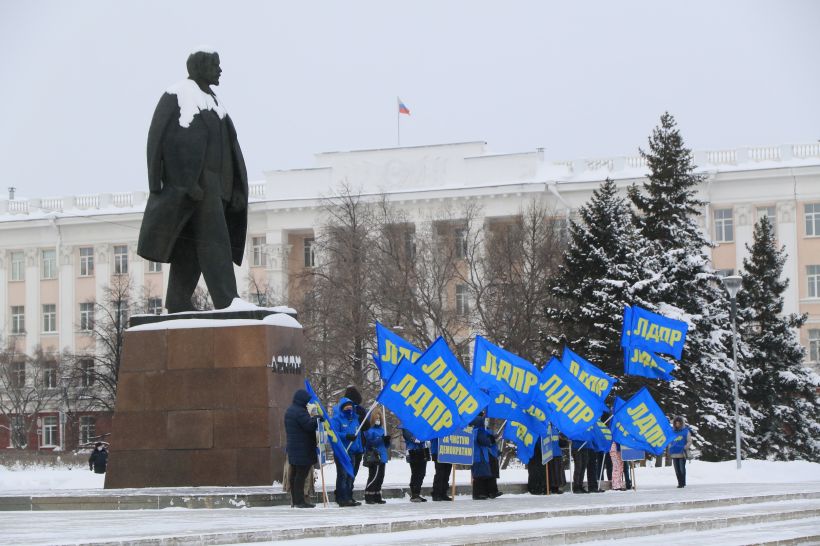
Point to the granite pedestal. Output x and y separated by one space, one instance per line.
204 405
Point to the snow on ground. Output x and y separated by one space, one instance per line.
41 479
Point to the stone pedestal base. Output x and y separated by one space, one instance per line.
205 405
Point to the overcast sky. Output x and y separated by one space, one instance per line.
80 79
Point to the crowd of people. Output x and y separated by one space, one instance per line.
368 444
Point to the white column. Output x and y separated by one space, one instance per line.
102 271
32 299
136 269
786 218
67 306
277 267
744 233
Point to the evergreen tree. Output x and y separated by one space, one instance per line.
607 265
667 208
782 391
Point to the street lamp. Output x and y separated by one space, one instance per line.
732 283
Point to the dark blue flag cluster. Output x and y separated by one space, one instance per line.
644 335
640 423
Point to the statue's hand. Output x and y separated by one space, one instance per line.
237 203
196 193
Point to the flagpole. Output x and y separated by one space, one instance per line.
398 124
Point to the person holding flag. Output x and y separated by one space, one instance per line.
679 449
441 477
481 469
375 459
345 422
417 456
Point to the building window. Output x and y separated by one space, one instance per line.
18 374
154 306
49 318
18 432
812 213
462 300
258 251
154 267
123 312
724 226
86 372
18 319
120 259
813 274
50 375
814 345
18 266
88 429
48 264
410 245
310 252
461 243
86 261
259 298
87 316
770 213
49 432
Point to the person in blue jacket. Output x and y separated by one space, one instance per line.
441 478
481 469
492 484
376 441
679 449
345 422
417 456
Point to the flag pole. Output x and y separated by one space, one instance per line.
398 123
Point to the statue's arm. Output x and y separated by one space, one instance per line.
166 110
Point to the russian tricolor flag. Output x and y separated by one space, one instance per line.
402 108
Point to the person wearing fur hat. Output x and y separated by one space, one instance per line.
679 448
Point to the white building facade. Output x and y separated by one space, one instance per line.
58 254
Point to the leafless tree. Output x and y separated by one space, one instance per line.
28 386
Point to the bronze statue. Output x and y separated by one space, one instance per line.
197 213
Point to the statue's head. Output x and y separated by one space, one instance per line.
203 66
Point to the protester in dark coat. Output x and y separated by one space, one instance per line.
536 473
481 469
345 423
556 465
679 449
417 456
495 468
300 430
441 479
98 461
585 460
376 440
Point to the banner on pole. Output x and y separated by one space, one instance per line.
629 454
571 406
546 450
391 349
501 371
457 448
592 377
339 452
521 435
433 397
653 332
644 422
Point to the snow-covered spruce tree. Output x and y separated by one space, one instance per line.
782 391
667 208
607 265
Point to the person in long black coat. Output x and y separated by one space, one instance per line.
197 212
98 461
300 430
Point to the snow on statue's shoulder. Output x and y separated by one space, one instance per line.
192 100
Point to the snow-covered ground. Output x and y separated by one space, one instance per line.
42 479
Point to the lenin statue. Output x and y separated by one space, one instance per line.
197 212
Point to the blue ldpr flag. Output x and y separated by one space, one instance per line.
619 433
644 422
523 438
502 407
435 396
500 371
599 437
339 451
595 379
654 332
638 361
572 407
391 349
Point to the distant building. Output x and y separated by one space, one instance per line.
58 254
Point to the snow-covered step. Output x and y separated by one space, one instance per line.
390 522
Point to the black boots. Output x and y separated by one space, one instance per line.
415 495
